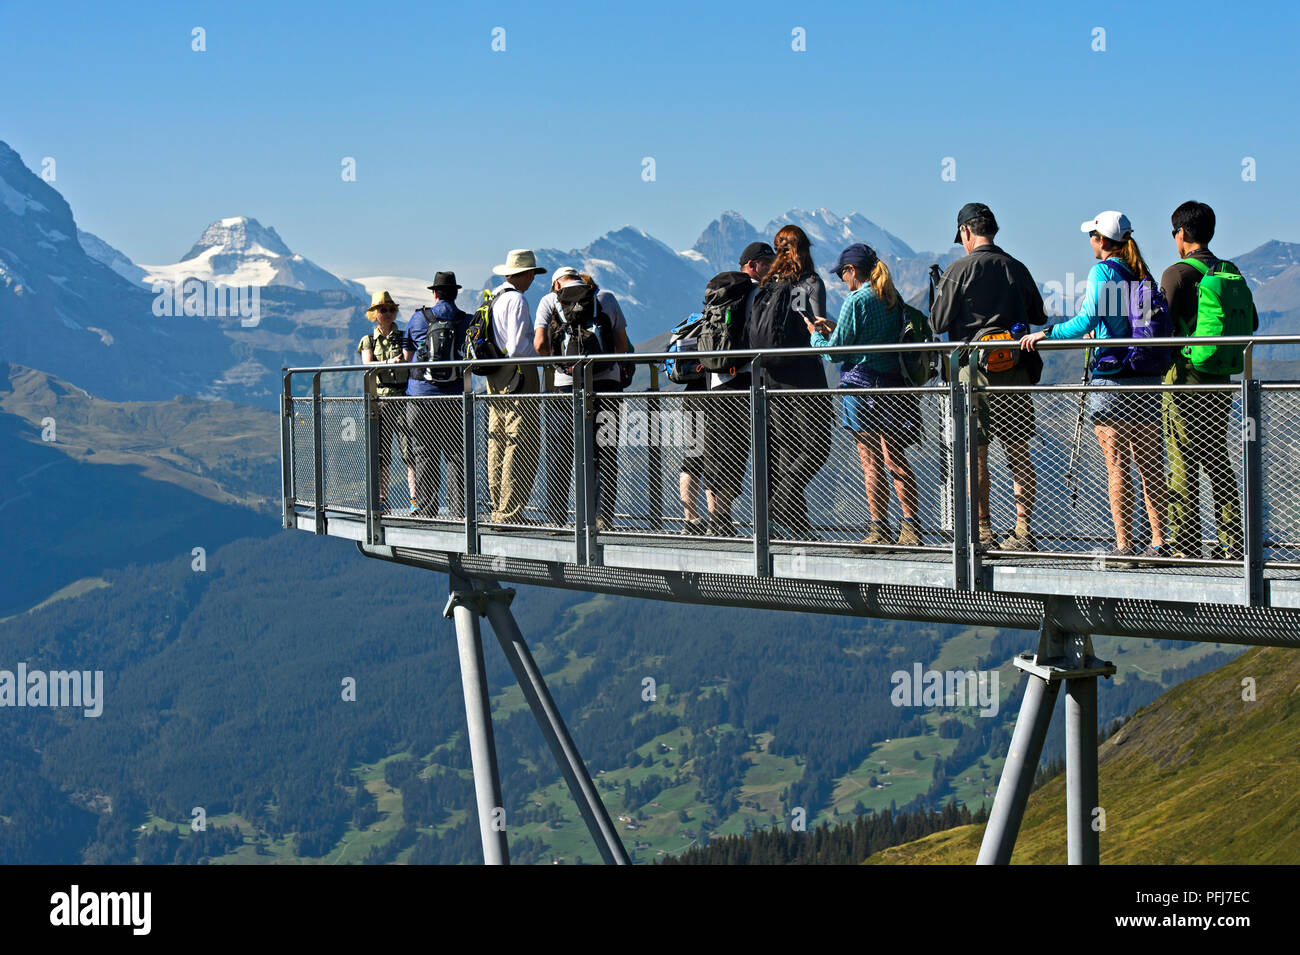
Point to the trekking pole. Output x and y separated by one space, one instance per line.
1071 478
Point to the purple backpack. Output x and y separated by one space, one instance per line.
1148 317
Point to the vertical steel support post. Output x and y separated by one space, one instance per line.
318 453
959 475
655 453
1082 833
971 442
288 492
758 439
469 466
462 606
1252 467
551 723
581 476
370 404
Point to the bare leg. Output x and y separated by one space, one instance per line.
687 487
1117 484
983 477
873 475
1024 481
1148 453
904 480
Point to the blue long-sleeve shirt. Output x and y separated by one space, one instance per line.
1104 310
864 320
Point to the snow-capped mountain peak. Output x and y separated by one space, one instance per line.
240 251
238 235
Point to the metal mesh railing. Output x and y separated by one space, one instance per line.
343 430
523 463
1104 471
860 466
1112 470
425 435
1278 431
302 441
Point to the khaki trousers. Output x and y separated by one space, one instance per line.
514 445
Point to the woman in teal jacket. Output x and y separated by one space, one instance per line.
1127 422
883 425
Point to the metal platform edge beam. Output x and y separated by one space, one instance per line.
1146 619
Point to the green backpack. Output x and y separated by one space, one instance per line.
1224 306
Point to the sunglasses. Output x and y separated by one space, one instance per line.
1175 232
386 310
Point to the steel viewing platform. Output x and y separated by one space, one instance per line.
500 499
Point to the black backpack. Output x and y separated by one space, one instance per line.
439 345
772 321
722 327
583 329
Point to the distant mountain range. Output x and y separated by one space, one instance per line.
73 305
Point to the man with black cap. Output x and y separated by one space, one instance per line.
989 293
437 333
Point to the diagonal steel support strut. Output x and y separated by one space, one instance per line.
496 604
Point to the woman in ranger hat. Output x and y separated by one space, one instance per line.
384 346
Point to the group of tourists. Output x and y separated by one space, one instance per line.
774 300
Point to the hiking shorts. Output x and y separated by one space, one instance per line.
1007 417
1117 405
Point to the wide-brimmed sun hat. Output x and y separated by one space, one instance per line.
519 260
381 300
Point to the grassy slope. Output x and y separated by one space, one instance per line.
225 452
1199 776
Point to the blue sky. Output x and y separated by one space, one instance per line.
462 152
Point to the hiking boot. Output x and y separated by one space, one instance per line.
1118 557
721 527
1153 551
908 535
1020 538
879 534
987 540
694 528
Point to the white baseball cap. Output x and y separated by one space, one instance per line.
1111 224
568 272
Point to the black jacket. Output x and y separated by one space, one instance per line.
985 290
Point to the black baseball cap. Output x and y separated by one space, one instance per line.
970 211
757 250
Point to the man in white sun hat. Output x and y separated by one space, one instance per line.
514 425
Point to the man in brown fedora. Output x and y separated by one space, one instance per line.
514 424
384 346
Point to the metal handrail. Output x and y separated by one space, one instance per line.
941 347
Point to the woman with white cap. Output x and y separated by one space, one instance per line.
1127 422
